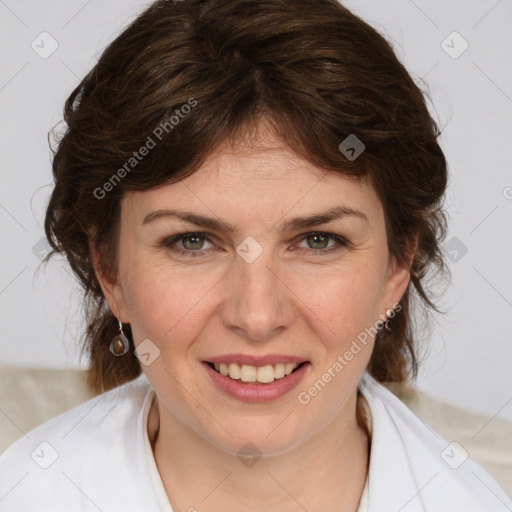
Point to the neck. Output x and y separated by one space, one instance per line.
328 472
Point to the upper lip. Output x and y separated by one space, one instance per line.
252 360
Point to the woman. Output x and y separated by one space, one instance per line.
250 192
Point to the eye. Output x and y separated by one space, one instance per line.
319 241
193 243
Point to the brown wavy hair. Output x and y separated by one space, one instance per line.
314 69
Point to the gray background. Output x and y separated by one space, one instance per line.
470 350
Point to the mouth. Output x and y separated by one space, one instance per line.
248 374
256 379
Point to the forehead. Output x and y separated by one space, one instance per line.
260 178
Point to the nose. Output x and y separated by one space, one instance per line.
259 303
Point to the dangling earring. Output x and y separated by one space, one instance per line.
390 313
120 344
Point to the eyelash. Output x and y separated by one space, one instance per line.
169 242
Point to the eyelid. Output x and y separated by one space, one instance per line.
167 242
341 242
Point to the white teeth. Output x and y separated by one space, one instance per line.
247 373
263 374
289 367
234 371
279 370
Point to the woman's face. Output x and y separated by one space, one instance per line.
268 288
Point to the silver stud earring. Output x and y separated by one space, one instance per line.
120 344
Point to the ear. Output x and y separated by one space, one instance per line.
397 278
109 285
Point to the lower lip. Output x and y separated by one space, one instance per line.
249 392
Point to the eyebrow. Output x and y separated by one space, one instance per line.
294 224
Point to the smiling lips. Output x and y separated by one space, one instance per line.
260 369
256 379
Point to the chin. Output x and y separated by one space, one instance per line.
250 437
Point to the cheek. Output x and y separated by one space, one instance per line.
171 305
162 304
346 301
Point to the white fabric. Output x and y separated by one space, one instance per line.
161 495
102 461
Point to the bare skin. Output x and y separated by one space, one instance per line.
294 298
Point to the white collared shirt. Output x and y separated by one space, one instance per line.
97 456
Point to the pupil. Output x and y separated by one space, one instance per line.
316 237
193 237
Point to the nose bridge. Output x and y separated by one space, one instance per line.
258 302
